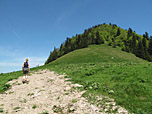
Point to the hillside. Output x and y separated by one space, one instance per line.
96 54
111 35
104 70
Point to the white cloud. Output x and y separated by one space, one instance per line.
13 59
33 61
36 61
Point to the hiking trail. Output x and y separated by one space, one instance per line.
50 93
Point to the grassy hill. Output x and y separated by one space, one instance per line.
104 70
112 35
97 53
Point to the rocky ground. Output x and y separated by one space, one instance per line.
49 93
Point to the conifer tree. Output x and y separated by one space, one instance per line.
134 45
129 32
150 46
98 38
92 39
61 51
78 41
146 36
144 43
118 32
140 52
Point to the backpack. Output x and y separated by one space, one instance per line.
26 66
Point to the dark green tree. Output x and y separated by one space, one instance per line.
92 39
67 45
146 36
78 42
129 32
61 51
134 44
140 52
98 41
118 32
145 54
150 46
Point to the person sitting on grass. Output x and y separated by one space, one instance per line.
26 69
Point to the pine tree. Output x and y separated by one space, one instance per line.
140 52
84 41
92 39
98 38
146 36
67 45
129 32
61 51
78 40
145 54
150 46
118 32
54 54
134 45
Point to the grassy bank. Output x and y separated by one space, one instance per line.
5 77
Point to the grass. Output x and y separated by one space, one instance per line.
66 93
74 100
1 110
34 106
103 70
45 112
5 77
30 94
16 108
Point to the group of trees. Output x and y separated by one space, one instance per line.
141 46
77 42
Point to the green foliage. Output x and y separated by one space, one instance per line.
1 110
16 108
57 109
45 112
103 70
5 77
74 100
112 35
150 46
34 106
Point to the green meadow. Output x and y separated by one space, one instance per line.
103 70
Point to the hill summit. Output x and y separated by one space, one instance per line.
110 34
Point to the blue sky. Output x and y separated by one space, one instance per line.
31 28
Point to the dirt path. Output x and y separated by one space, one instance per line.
46 92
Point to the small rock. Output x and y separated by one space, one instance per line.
78 85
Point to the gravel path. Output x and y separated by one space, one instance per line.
46 92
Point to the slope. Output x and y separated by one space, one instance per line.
112 35
104 70
97 53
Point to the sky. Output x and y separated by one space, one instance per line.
32 28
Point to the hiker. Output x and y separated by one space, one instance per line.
26 69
